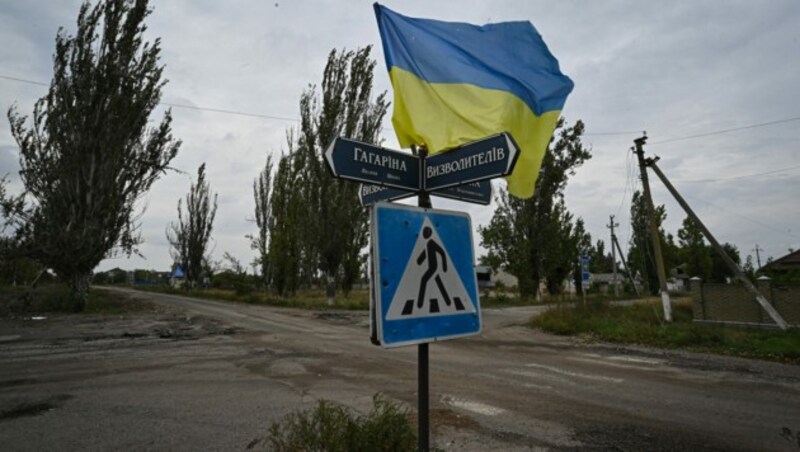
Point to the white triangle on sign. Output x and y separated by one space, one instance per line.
429 265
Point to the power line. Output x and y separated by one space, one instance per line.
743 176
720 132
789 234
637 132
230 112
22 80
285 118
169 104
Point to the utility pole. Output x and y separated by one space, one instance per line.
758 255
625 264
612 225
651 213
761 299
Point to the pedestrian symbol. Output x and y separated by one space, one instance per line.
424 287
430 277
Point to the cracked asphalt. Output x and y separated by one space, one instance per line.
193 374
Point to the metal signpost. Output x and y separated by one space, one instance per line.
423 286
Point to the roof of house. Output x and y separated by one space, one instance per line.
788 262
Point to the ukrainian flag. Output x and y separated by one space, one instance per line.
457 82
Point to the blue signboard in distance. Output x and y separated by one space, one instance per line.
424 282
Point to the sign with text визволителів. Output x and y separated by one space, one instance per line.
487 158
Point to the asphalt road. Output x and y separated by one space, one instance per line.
205 375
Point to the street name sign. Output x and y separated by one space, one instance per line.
475 192
488 158
369 194
424 283
349 159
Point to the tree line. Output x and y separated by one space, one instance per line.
90 151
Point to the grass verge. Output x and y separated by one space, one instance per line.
332 427
55 298
307 299
643 324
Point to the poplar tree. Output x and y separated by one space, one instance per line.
332 225
262 191
88 153
640 254
190 235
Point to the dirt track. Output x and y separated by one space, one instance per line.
203 375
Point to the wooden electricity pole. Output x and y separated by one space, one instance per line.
651 214
758 250
612 225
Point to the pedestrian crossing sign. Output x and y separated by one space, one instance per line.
424 285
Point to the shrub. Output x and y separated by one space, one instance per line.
332 427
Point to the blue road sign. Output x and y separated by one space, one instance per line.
585 275
425 286
475 192
369 194
484 159
363 162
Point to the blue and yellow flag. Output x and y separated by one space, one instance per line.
456 82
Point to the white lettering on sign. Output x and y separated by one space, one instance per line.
464 163
370 189
384 161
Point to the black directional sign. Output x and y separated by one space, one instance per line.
370 194
363 162
480 160
476 192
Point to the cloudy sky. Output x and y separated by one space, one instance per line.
716 85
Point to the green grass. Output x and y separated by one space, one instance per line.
306 299
332 427
643 324
55 298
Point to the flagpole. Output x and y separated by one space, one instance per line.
423 397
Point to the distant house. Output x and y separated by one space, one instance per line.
790 262
487 278
605 281
784 269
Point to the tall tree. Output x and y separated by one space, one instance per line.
599 260
720 272
641 258
694 251
190 235
262 191
288 224
88 153
534 239
335 222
